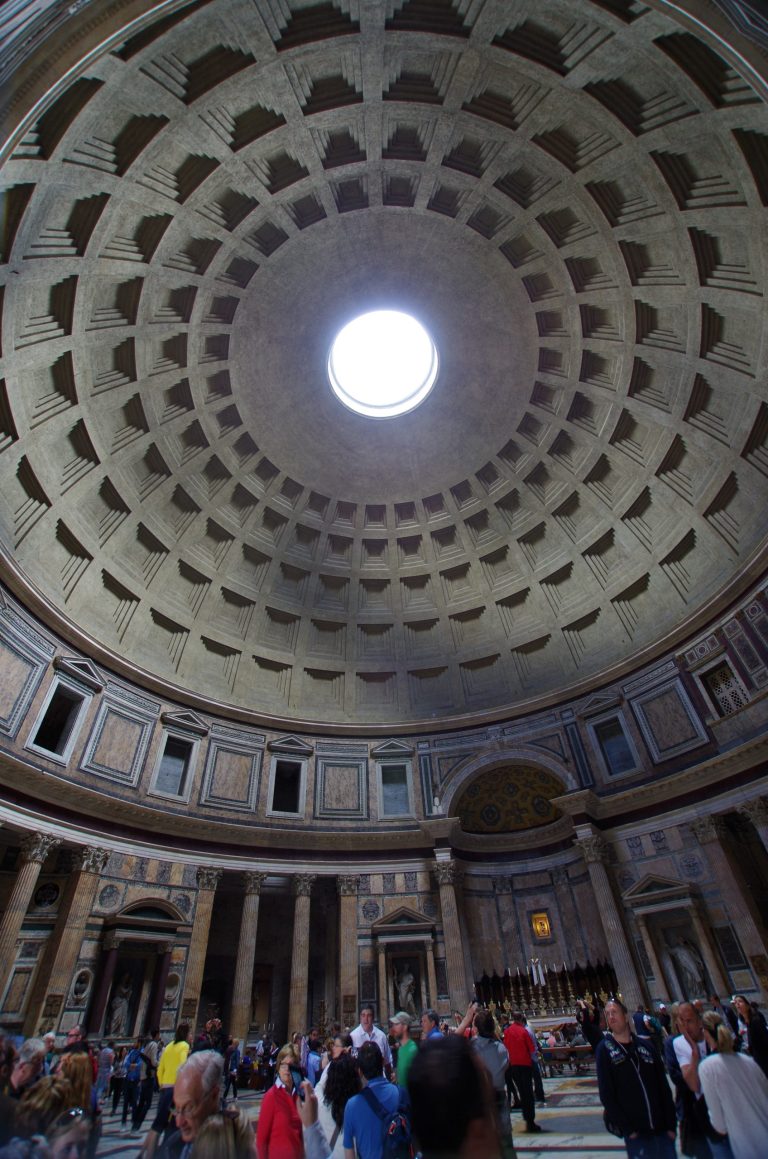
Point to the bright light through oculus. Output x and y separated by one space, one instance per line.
382 364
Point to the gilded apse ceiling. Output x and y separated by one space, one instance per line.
571 196
509 799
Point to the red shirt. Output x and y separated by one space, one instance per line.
519 1045
278 1131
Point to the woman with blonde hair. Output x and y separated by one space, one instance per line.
77 1068
228 1135
278 1131
736 1091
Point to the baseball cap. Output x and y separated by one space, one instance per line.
401 1017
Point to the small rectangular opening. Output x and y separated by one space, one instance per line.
174 766
394 791
59 719
286 791
614 745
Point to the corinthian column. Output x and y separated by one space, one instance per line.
595 852
63 947
709 832
240 1018
35 847
297 1001
207 880
448 877
347 886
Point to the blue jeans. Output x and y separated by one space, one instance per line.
650 1146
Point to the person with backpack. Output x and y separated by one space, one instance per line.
376 1122
136 1063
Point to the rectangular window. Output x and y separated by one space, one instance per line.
174 766
54 732
614 745
287 787
395 800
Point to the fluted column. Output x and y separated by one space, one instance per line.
240 1017
207 880
159 983
448 876
757 812
511 951
650 946
347 885
35 847
382 1012
106 976
62 949
429 946
709 832
704 938
297 1001
595 852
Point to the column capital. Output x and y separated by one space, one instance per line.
208 878
253 881
502 884
347 883
446 872
559 875
756 810
706 829
164 948
90 859
302 884
112 940
37 846
594 848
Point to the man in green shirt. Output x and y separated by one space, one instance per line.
400 1028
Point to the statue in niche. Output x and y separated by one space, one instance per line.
117 1022
689 966
404 988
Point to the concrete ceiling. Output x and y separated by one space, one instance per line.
570 195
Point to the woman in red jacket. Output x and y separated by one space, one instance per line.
278 1131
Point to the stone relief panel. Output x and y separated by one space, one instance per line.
23 670
668 721
341 788
117 746
232 776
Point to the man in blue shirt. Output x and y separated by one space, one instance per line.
430 1025
363 1129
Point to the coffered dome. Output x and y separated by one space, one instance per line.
570 196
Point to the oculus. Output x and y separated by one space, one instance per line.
382 364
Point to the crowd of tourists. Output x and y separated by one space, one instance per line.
694 1076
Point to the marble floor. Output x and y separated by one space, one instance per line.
572 1123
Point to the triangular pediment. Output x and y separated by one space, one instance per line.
185 720
653 888
601 702
82 670
401 919
392 748
291 744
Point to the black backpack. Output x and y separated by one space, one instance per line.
396 1126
